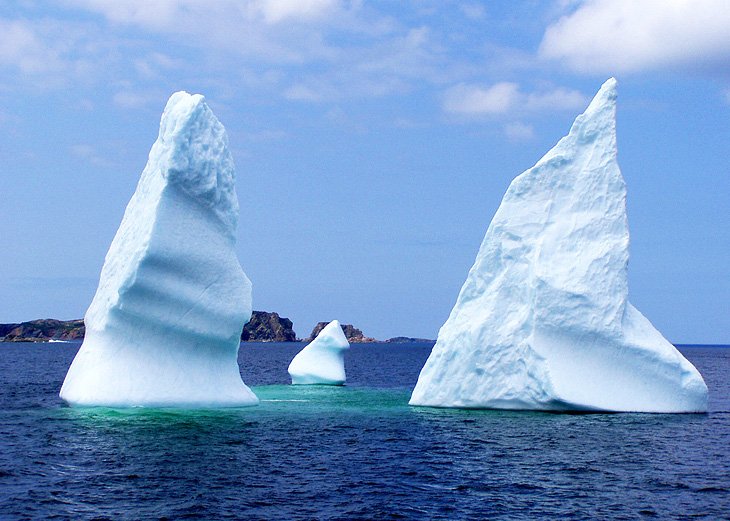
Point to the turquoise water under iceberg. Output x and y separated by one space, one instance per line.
353 452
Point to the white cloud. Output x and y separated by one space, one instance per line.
160 13
275 11
154 64
314 51
473 11
519 131
556 99
470 101
47 53
305 50
89 153
394 64
614 36
128 99
473 100
275 31
169 13
302 92
23 45
321 50
272 30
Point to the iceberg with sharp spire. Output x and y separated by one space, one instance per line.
165 324
543 320
322 361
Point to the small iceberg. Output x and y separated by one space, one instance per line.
322 361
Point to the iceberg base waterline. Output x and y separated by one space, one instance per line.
114 372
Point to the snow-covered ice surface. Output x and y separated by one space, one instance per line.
322 361
543 320
164 326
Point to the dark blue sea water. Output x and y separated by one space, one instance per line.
356 452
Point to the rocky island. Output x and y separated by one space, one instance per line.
264 326
353 334
268 327
43 330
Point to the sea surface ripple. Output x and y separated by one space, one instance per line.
352 452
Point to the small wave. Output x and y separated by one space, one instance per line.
712 489
282 400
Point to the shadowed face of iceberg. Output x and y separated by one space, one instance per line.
543 320
165 323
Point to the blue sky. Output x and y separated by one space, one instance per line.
373 142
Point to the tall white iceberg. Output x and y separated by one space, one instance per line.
322 361
543 321
164 326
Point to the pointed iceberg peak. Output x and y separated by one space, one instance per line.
323 360
599 119
191 153
607 93
335 335
543 320
604 102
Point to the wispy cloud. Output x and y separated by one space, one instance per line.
155 64
517 131
128 99
50 54
477 101
270 30
41 49
307 50
89 153
614 36
22 46
473 11
555 99
275 11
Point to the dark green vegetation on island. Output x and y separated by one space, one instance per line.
263 327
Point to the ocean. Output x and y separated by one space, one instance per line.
351 453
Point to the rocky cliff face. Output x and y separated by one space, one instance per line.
353 334
268 327
42 330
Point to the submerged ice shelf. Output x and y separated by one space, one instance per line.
322 361
543 320
164 326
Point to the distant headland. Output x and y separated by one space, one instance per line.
264 326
